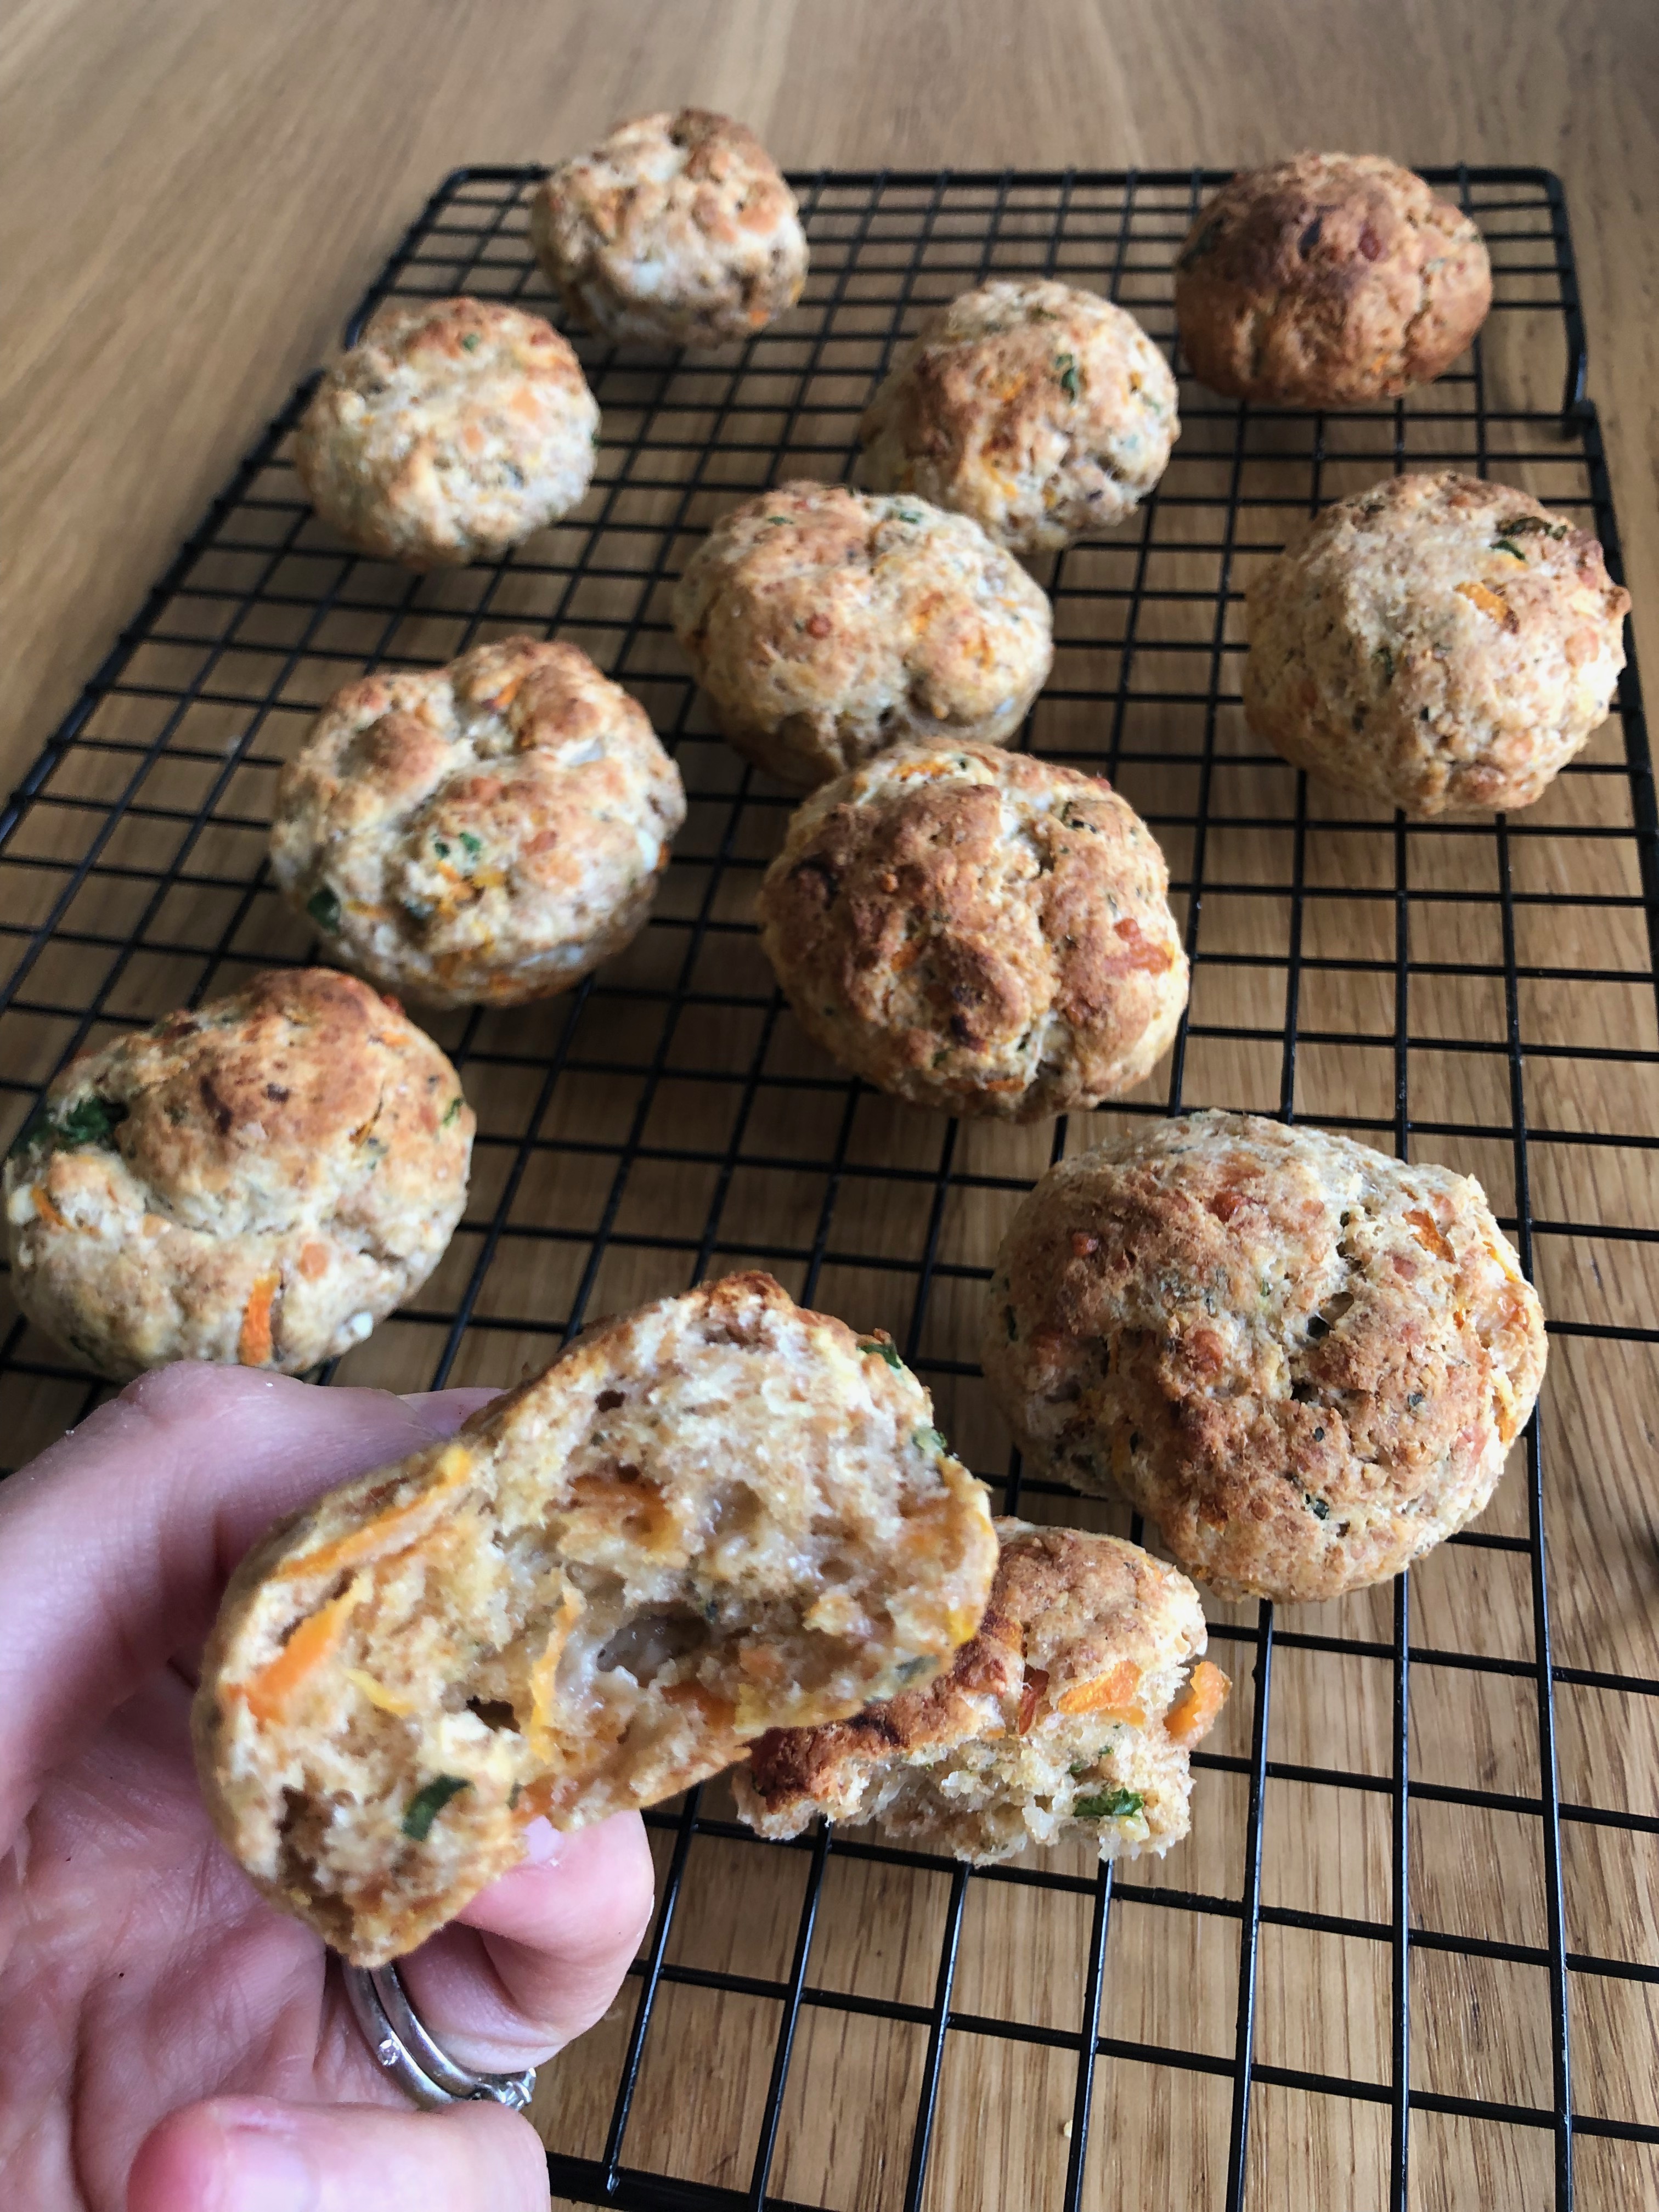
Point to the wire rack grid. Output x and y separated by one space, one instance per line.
1410 1953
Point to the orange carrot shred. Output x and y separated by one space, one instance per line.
1194 1712
315 1638
46 1210
253 1345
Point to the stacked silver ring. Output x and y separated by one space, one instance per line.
403 2048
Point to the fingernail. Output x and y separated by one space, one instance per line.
542 1841
268 2173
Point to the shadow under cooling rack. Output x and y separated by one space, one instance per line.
1413 1929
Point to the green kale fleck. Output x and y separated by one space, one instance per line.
90 1121
929 1440
1383 656
913 1670
324 908
909 515
428 1802
885 1348
1317 1506
1110 1805
1537 525
1507 545
1065 364
598 440
440 848
450 1111
473 845
470 342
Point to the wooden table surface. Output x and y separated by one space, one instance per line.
195 191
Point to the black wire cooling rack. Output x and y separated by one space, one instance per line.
1414 1927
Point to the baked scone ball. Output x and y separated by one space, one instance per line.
452 430
256 1182
826 625
1045 412
1070 1715
677 230
1328 281
1437 642
1305 1361
977 930
718 1515
479 834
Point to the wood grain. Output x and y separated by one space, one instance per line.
195 193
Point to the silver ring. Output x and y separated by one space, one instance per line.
403 2049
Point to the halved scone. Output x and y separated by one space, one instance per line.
713 1516
1070 1713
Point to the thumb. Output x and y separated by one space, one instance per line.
258 2154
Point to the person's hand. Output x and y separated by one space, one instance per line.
168 2041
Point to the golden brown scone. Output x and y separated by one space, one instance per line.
1437 642
677 230
826 625
1045 412
452 430
713 1516
488 832
259 1181
1066 1716
977 930
1304 1360
1328 281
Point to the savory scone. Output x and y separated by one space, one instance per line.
977 930
483 833
1066 1716
1437 642
1043 411
1304 1360
452 430
677 230
1328 281
258 1181
826 625
719 1515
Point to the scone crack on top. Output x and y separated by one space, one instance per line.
489 831
977 930
1305 1360
677 229
1044 411
826 625
451 431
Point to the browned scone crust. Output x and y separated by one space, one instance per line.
1328 281
1043 410
1304 1360
717 1514
256 1181
1437 642
1067 1715
826 625
677 230
451 431
977 930
486 832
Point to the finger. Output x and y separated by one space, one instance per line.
256 2155
115 1543
536 1958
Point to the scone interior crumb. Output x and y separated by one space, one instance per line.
1071 1713
714 1517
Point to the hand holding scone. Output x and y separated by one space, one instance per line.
169 2043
